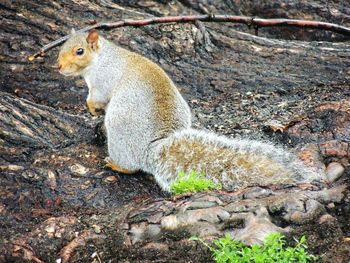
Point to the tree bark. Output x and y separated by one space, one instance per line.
58 201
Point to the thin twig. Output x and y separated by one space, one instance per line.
250 21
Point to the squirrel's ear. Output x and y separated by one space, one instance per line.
92 38
72 31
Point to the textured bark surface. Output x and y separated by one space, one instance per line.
286 85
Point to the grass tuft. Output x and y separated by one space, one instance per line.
192 183
226 250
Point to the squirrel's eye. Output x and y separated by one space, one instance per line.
80 51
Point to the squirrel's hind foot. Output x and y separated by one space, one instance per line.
115 167
95 108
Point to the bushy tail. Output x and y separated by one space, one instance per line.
233 163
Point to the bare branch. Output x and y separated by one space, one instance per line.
250 21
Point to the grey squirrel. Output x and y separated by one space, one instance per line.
148 123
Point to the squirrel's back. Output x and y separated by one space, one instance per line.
170 111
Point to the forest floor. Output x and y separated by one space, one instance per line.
286 85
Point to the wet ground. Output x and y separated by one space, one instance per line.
237 85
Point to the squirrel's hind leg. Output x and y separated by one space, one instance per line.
115 167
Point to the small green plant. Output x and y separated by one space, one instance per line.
226 250
192 183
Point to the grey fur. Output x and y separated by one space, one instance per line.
139 138
221 155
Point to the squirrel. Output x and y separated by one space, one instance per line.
148 123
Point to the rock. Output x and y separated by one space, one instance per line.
334 170
157 246
170 223
144 231
97 229
256 228
309 154
301 212
17 68
50 229
326 219
78 169
11 167
110 179
331 205
335 148
31 175
51 180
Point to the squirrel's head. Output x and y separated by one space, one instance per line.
78 52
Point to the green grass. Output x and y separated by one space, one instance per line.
273 250
192 183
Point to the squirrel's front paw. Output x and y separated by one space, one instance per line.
95 108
